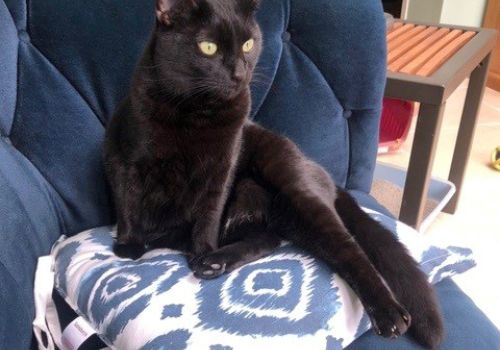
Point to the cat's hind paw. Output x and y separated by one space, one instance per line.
207 266
390 321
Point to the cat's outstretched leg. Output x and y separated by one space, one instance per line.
306 215
397 267
335 245
245 236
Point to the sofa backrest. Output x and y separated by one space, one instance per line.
64 66
321 79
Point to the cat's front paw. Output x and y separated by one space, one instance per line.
207 266
390 320
128 250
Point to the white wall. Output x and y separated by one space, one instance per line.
463 12
424 10
458 12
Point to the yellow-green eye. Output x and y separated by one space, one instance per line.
208 48
248 45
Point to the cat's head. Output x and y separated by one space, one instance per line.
207 46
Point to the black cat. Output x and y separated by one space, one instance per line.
189 171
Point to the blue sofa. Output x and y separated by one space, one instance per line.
64 66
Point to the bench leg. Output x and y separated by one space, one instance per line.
465 135
421 160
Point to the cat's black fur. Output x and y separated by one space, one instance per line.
189 171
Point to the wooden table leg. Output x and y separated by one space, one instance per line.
421 160
465 135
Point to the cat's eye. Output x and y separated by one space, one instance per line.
208 48
248 45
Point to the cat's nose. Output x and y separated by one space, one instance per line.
239 72
238 76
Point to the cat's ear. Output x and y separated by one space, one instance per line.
249 7
164 8
254 4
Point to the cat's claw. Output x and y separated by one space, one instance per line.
203 267
390 321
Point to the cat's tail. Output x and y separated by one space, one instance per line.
398 268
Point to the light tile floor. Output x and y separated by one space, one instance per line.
476 224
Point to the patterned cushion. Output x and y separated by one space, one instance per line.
288 300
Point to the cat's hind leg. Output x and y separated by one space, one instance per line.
306 215
257 243
245 235
398 268
339 249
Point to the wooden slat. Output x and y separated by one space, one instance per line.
417 50
442 56
420 60
396 25
401 49
397 32
405 37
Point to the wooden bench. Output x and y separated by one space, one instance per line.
426 63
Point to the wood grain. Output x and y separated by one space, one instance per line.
396 52
399 31
411 54
402 39
443 55
396 25
420 60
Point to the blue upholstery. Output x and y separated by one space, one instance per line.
64 65
467 328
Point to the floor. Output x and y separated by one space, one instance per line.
476 222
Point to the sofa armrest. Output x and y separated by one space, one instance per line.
29 225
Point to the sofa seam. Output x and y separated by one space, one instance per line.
23 208
9 128
349 169
288 19
62 224
288 14
316 67
332 91
73 86
54 206
28 313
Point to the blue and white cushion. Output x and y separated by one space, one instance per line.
288 300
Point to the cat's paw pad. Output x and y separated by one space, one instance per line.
207 266
391 320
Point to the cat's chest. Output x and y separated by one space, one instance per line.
193 160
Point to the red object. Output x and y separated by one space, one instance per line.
395 124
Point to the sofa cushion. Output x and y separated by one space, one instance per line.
466 326
278 300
